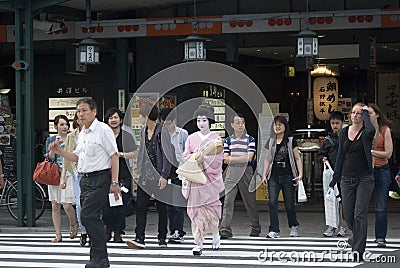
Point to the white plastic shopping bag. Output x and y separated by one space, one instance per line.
301 192
331 201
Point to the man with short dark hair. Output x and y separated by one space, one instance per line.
328 152
114 217
96 153
239 153
154 169
175 210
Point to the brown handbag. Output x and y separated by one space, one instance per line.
47 172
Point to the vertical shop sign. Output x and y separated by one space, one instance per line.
372 51
325 97
121 100
310 112
389 99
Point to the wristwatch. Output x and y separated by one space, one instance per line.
115 183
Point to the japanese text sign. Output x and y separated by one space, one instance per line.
325 97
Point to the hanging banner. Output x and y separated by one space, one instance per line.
389 99
325 97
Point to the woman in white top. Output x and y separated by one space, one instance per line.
62 194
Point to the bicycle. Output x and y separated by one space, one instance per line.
9 198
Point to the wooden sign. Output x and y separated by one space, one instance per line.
325 97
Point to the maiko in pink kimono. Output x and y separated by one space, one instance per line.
203 206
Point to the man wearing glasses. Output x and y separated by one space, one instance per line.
239 155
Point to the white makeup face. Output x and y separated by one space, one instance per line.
202 123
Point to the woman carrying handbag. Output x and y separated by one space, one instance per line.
63 194
282 169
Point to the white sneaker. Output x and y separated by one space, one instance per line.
273 235
294 232
175 238
329 232
341 232
394 195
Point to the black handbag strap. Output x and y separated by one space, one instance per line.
354 141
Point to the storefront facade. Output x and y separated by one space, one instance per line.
360 38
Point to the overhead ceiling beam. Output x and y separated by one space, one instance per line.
39 4
7 5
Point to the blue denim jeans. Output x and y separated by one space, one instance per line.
383 178
275 184
77 191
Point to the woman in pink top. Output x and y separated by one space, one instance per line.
382 148
203 206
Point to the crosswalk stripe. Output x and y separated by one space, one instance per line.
36 250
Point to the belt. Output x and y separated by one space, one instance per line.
240 164
95 173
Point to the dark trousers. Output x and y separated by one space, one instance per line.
94 194
356 194
142 204
115 216
176 212
275 184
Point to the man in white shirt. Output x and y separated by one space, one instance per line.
176 210
96 152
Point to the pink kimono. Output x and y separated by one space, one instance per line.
203 206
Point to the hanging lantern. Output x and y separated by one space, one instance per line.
89 51
307 44
194 49
326 97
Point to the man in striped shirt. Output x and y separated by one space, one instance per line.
239 152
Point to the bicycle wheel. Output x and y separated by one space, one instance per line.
12 201
40 201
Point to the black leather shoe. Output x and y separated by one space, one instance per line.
117 237
108 233
83 240
225 234
255 233
98 263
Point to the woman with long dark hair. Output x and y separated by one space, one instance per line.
382 149
282 170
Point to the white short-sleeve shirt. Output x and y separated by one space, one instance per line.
95 147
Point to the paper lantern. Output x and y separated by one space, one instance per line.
325 96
